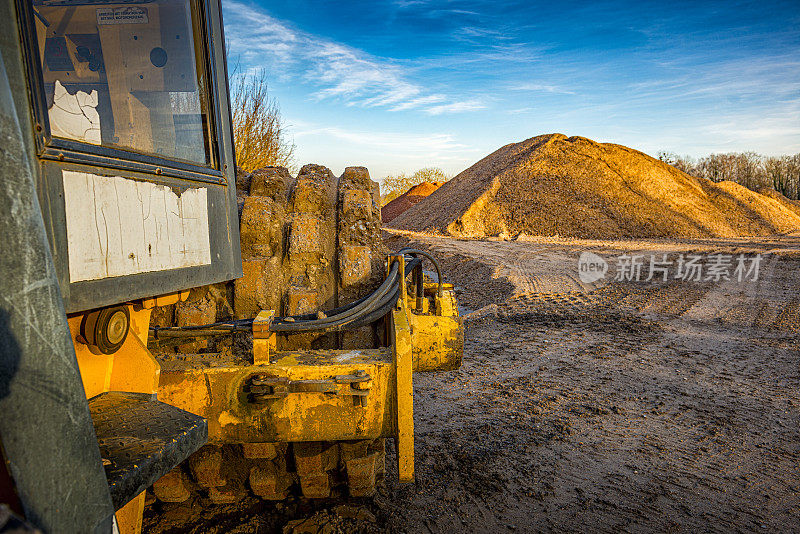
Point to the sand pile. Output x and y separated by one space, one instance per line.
574 187
416 194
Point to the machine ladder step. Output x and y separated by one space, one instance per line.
142 439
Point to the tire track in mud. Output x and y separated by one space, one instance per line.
628 455
630 407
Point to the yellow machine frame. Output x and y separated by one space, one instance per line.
305 396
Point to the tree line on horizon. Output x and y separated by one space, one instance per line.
749 169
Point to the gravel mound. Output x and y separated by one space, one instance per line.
554 185
416 194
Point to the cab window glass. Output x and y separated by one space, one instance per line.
126 75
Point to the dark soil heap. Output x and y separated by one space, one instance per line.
415 195
554 185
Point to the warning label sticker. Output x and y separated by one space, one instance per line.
122 15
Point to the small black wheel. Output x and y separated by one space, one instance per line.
106 329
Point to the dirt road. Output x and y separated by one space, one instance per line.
612 406
618 407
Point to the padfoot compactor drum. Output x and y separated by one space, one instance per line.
309 396
167 322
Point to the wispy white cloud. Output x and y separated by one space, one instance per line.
765 131
774 77
455 107
540 87
333 69
436 144
383 152
402 4
421 101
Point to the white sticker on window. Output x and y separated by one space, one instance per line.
121 15
75 116
117 226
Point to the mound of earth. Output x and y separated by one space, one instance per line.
416 194
554 185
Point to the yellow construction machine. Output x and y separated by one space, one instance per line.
167 322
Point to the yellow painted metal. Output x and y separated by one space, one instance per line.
446 304
437 342
264 341
215 387
132 368
165 300
307 404
403 300
129 517
400 334
438 339
404 394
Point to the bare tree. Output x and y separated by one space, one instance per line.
395 185
748 170
793 171
259 134
751 170
682 163
714 167
777 171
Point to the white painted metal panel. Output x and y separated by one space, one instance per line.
117 226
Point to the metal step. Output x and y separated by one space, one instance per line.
142 439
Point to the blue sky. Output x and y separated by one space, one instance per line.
404 84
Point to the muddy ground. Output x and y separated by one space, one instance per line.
614 406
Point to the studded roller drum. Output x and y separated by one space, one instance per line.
309 243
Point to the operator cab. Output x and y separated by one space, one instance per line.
119 114
133 138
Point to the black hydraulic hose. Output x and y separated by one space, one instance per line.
379 311
375 301
414 252
282 326
232 324
419 288
361 312
330 313
163 333
385 307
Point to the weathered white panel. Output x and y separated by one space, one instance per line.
117 226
